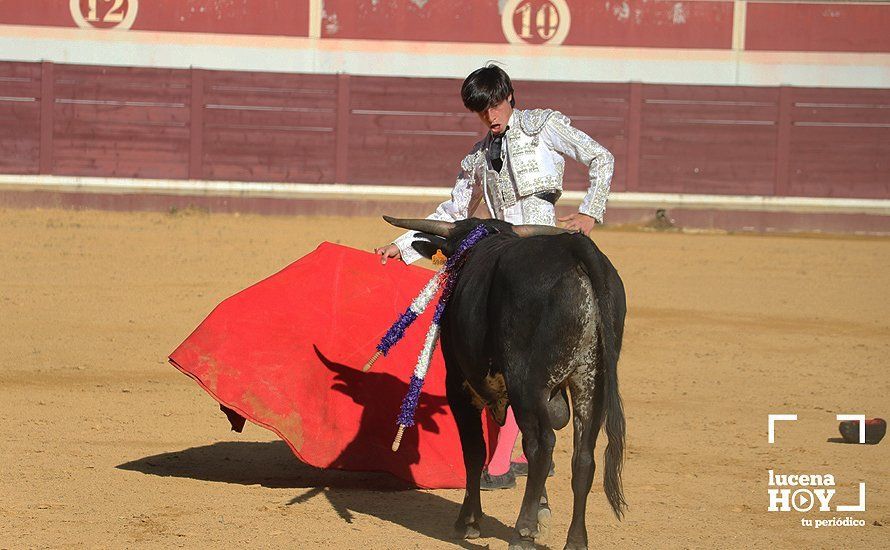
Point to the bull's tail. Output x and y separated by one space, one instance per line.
612 305
614 412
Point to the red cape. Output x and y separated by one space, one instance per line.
286 353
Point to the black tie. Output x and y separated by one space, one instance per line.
494 150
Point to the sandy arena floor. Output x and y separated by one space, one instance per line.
106 445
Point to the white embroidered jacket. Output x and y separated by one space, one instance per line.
532 151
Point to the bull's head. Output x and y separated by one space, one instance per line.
446 236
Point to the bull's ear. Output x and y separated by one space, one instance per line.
427 245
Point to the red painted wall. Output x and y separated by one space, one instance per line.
51 13
770 25
709 139
407 131
652 24
130 122
455 21
20 88
839 143
268 126
656 23
264 17
818 27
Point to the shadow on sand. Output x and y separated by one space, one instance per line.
273 465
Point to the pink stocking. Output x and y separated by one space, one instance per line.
500 462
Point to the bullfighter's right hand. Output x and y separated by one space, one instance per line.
387 252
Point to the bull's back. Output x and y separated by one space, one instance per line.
524 307
545 310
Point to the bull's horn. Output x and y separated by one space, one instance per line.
435 227
535 230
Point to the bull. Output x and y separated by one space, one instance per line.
536 311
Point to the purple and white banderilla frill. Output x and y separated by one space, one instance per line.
447 275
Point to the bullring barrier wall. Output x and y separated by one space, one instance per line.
143 122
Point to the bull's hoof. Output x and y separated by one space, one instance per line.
543 523
522 544
574 546
523 539
466 530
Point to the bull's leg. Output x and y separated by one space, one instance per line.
469 426
538 440
587 406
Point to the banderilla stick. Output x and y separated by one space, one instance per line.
371 361
398 440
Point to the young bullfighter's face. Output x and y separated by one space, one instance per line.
496 117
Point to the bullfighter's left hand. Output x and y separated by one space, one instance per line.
578 222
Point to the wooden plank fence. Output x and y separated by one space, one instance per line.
309 128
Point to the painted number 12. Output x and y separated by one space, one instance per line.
114 15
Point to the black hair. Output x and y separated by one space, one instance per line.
486 87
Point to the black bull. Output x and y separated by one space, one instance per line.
529 318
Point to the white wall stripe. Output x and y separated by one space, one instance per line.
381 192
442 59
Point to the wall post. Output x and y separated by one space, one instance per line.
783 141
342 130
47 108
634 125
196 126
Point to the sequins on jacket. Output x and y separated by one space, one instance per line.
536 142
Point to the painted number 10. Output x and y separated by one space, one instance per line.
546 21
536 22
